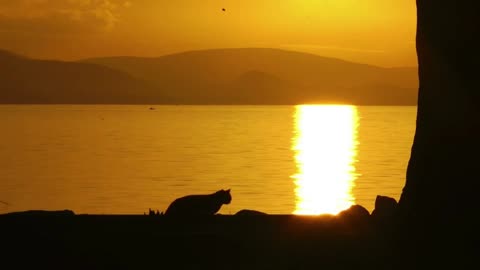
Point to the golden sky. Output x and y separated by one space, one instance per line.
380 32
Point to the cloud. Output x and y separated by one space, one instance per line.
331 48
60 15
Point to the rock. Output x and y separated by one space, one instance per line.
356 213
385 209
247 212
384 206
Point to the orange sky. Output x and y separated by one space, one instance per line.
380 32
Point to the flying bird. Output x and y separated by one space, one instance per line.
223 9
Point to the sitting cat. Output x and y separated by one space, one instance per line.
194 205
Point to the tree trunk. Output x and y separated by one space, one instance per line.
443 171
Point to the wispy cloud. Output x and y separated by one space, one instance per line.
330 48
58 15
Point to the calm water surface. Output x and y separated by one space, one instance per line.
276 159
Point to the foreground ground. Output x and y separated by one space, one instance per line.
67 241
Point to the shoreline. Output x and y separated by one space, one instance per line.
63 240
354 239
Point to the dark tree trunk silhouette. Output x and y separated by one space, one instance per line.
443 172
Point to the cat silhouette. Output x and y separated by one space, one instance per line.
194 205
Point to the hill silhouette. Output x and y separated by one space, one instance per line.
25 81
221 76
269 76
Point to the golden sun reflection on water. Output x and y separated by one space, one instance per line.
325 146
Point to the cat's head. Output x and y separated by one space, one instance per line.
224 196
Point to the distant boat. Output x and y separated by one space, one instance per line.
152 108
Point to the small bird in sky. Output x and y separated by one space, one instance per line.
223 9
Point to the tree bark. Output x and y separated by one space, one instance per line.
443 171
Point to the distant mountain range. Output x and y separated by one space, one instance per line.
221 76
25 80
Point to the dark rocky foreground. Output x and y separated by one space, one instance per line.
215 242
353 240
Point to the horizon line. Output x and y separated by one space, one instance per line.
203 50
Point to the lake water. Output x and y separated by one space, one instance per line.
275 159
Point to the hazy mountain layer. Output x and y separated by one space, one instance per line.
223 76
25 80
269 76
